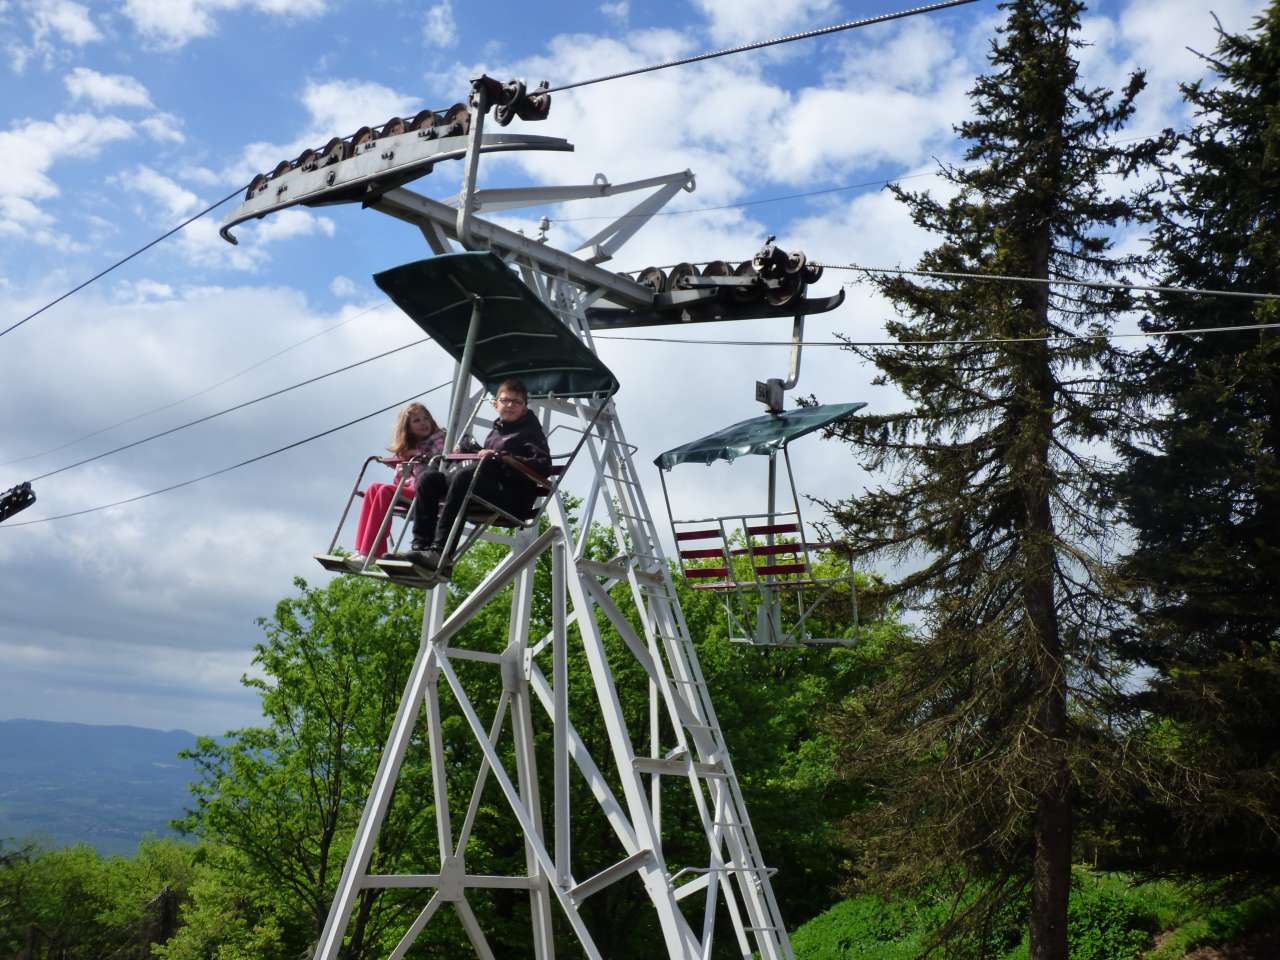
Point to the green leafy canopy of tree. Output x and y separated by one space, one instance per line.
277 805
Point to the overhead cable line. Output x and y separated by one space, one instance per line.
1190 332
234 466
883 182
1094 284
749 203
760 44
1011 278
142 249
238 406
743 48
199 393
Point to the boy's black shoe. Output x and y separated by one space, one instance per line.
424 557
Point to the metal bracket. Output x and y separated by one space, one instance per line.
770 391
479 107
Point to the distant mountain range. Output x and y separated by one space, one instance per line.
65 783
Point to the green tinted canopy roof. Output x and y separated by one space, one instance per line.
761 435
518 336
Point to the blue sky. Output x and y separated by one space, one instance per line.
120 118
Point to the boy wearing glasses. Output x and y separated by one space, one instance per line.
516 433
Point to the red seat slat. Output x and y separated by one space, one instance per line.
773 528
698 534
699 572
702 552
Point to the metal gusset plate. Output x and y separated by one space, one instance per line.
353 171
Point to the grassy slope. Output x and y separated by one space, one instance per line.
1112 918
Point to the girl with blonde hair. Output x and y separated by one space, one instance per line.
418 437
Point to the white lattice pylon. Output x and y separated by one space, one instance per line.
679 709
685 743
686 747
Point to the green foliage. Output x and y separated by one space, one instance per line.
231 915
907 926
1201 487
1111 917
277 805
863 927
1217 924
1106 921
983 723
73 904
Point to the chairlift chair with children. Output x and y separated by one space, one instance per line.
493 325
772 579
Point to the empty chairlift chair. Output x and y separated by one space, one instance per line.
771 577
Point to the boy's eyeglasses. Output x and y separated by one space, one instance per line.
510 401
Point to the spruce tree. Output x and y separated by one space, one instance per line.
977 740
1201 484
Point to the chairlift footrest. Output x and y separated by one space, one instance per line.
409 574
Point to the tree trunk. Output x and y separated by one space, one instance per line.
1051 871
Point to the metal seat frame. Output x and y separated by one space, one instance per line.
754 602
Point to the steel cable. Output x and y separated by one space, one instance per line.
234 466
121 262
760 44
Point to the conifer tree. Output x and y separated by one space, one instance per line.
975 743
1201 484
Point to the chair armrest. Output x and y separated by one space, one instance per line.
520 467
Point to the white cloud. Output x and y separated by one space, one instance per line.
22 212
199 242
340 107
733 22
287 224
439 28
68 20
174 200
619 12
106 90
204 176
139 291
173 23
341 286
32 148
1159 38
164 128
50 22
